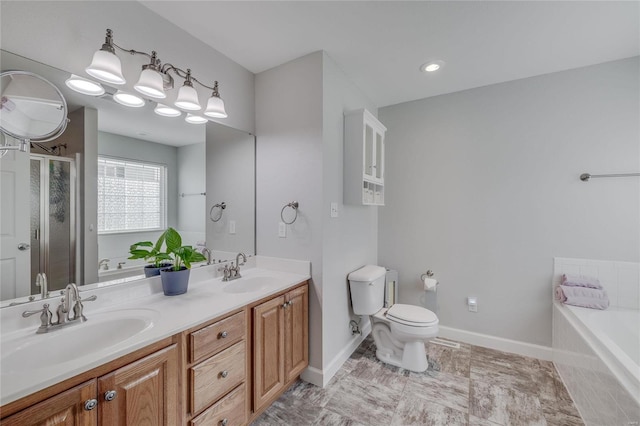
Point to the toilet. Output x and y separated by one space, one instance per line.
401 331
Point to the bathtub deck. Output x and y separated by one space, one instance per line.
470 385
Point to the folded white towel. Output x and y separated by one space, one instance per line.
581 281
583 296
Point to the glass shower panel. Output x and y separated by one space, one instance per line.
61 262
36 249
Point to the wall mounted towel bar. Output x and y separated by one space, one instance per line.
184 194
586 176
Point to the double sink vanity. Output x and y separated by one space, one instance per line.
217 355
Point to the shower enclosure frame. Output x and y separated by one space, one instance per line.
43 235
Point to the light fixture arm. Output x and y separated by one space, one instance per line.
186 75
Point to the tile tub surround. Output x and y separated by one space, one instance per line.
205 300
598 393
468 386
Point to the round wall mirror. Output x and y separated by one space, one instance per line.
31 107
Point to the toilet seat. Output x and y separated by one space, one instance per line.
411 315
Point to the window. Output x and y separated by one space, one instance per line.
131 196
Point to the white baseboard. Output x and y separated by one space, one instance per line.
498 343
322 377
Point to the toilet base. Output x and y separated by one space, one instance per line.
408 355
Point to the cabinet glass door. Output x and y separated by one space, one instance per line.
379 165
368 153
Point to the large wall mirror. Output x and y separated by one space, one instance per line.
199 179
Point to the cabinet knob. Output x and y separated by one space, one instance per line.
110 395
224 374
223 335
224 422
90 404
284 305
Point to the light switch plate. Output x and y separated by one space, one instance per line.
334 209
282 230
232 226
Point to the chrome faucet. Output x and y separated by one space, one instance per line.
41 281
207 253
71 294
104 264
234 272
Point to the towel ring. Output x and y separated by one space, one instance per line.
294 205
428 274
220 206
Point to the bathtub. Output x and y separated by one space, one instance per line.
597 354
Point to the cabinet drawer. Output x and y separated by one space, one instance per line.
217 336
216 376
231 408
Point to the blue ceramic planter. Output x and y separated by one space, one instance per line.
174 282
152 271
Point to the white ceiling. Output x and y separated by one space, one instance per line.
381 44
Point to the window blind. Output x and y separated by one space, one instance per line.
131 196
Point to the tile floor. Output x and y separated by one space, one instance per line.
468 386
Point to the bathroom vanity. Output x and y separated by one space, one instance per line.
218 355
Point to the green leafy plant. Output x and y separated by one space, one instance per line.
181 255
151 253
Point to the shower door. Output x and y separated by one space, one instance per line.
53 245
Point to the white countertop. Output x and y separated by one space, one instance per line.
204 300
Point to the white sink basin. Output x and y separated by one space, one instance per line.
250 284
73 341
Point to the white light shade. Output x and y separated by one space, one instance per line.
84 86
106 66
128 99
166 111
150 84
195 119
215 108
188 99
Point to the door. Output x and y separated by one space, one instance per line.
14 225
144 392
75 407
268 346
296 332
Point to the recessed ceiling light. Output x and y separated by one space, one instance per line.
84 86
431 66
128 99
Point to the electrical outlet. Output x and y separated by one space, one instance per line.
334 209
472 302
282 230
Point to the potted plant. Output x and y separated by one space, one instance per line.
175 279
151 253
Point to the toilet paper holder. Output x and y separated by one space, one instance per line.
427 274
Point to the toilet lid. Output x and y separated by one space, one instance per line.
411 314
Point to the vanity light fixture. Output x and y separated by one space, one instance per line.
166 111
155 79
431 66
128 99
195 119
84 86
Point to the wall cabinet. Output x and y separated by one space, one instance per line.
143 392
280 344
364 139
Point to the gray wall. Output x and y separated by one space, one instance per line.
350 240
289 168
482 187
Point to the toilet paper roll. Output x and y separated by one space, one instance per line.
430 284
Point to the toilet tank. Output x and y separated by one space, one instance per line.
367 289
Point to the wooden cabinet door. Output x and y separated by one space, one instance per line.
268 347
296 335
67 408
146 392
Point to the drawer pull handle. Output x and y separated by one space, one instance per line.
223 335
224 374
110 395
90 404
224 422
